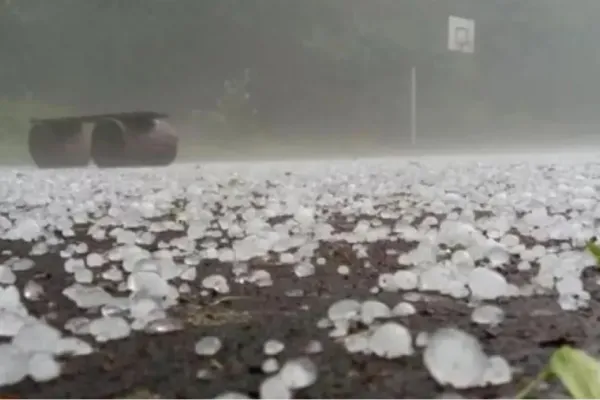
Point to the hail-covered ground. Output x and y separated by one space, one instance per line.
439 277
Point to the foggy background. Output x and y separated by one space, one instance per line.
314 75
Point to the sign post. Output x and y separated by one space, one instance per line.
413 106
461 39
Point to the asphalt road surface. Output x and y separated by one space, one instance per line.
381 278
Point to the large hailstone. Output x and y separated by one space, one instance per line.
455 358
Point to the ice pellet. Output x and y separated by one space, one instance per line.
273 347
270 365
343 270
372 309
232 395
33 291
37 337
403 309
78 325
357 343
344 310
313 347
109 328
405 280
387 282
303 270
11 322
455 358
391 340
22 264
487 315
163 325
487 284
94 260
7 276
14 366
208 346
274 388
43 367
498 371
218 283
298 373
73 346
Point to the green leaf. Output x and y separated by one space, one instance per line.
578 372
542 377
593 248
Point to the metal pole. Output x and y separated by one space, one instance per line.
413 106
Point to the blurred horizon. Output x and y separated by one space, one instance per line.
253 70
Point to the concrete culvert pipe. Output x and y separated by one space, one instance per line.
133 142
59 145
108 143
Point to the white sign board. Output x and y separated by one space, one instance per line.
461 34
